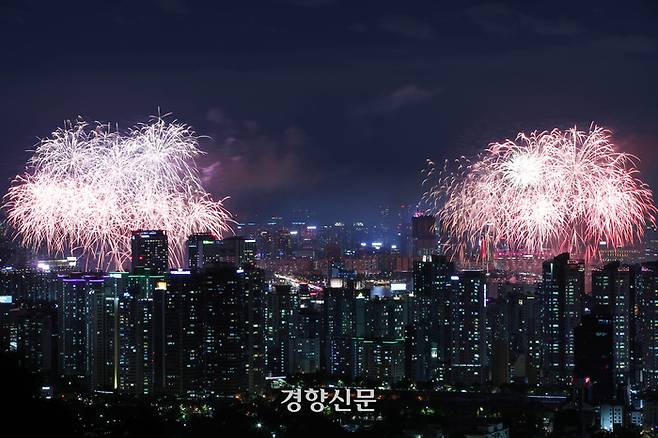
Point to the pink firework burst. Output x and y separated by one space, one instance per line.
86 188
548 191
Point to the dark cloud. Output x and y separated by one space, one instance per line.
11 15
242 158
174 7
406 26
629 43
500 18
312 3
215 115
358 27
407 95
559 28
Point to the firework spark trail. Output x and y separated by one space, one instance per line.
557 191
86 188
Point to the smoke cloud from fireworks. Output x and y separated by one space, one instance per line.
86 187
548 191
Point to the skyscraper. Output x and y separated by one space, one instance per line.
103 339
613 292
560 294
233 338
467 328
33 330
381 350
512 333
201 248
593 359
280 325
205 249
648 324
73 308
341 305
382 360
136 371
237 250
307 349
423 236
429 333
149 251
253 286
5 327
178 329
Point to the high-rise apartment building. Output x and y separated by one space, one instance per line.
614 298
150 251
428 339
467 344
424 240
560 293
280 330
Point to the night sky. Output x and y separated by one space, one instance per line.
330 105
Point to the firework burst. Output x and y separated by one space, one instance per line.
86 187
548 191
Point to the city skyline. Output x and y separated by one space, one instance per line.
372 218
232 327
